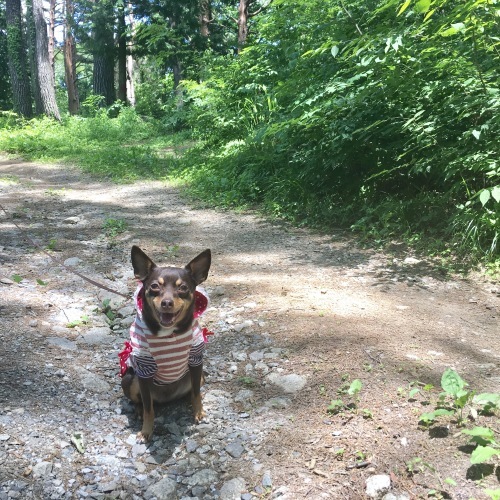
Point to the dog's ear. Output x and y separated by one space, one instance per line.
142 264
199 266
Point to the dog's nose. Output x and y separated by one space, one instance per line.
167 303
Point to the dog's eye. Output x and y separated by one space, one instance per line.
154 287
183 288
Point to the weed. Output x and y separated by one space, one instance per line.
114 227
84 320
106 309
52 244
351 390
249 381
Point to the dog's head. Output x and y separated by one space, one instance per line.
169 291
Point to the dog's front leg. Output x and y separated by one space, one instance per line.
148 409
196 378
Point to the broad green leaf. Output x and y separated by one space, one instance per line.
476 134
17 278
41 282
493 494
487 398
335 50
449 480
483 432
413 392
495 193
404 7
484 196
422 6
482 454
451 382
431 416
355 387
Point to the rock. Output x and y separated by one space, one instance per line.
71 220
394 496
6 281
256 356
72 261
235 449
191 445
96 336
289 383
4 437
42 469
166 489
93 382
232 490
62 343
204 477
377 486
266 480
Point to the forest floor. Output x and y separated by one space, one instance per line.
296 315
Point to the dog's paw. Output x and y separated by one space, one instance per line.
143 437
198 412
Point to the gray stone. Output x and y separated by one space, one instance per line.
204 477
235 449
166 489
289 383
62 343
267 481
377 486
191 445
72 261
42 469
96 336
396 496
232 490
71 220
93 382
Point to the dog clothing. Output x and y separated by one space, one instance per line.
166 358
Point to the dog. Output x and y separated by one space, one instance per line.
164 359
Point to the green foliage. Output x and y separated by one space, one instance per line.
119 148
384 118
351 390
456 399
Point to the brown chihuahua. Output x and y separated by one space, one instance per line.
164 359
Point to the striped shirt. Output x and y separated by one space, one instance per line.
165 357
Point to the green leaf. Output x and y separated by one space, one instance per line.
482 454
413 392
431 416
41 282
422 6
487 398
451 382
17 278
404 7
495 192
429 14
483 432
355 387
484 196
476 134
493 494
335 50
449 480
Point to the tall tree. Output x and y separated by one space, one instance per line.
130 60
70 60
45 73
244 15
33 63
52 36
16 48
103 50
122 51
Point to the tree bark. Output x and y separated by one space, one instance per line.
70 61
45 74
205 15
16 49
244 15
52 28
130 62
33 63
103 51
122 54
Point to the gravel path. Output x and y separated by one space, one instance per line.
295 315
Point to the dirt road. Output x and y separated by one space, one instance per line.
297 317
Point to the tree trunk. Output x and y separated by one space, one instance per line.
45 74
130 62
16 49
205 15
70 61
103 51
122 54
33 64
52 27
243 22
